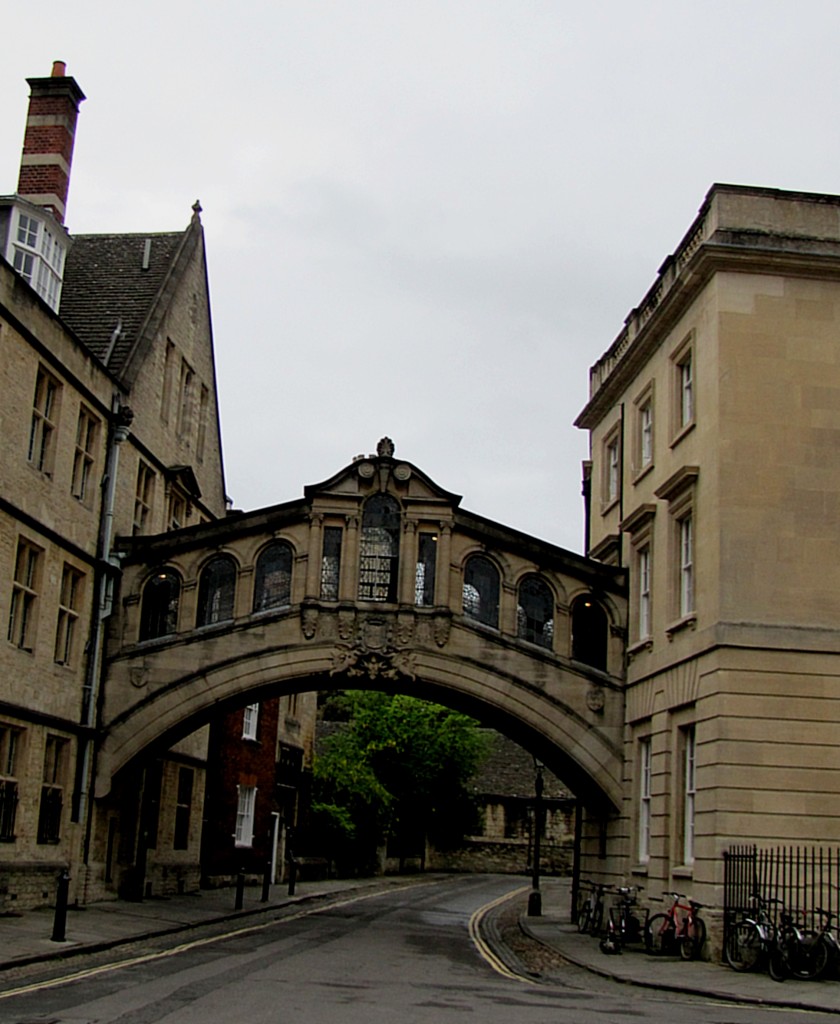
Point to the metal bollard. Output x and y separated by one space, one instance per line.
292 875
240 890
266 886
60 920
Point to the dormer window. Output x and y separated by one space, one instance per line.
38 256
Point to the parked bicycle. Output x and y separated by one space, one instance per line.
591 915
669 934
799 952
749 940
623 924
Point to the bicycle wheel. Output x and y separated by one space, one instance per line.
778 966
583 918
809 959
693 938
596 920
743 946
660 935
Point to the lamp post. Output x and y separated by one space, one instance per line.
535 896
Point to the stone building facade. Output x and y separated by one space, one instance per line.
110 426
714 422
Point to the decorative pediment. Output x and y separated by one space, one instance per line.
382 472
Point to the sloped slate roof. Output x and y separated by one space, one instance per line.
508 771
106 287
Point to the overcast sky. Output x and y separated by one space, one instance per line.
425 219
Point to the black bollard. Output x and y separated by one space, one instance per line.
240 890
60 920
292 875
266 888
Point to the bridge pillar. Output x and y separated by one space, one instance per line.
409 562
313 565
444 568
348 583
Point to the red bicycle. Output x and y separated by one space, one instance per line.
668 934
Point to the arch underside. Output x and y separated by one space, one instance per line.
546 713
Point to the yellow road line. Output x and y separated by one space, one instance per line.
475 934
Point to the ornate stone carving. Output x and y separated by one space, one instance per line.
357 663
346 624
443 625
375 633
595 699
137 676
309 621
385 448
405 630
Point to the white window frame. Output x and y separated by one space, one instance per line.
246 804
646 434
685 368
684 390
689 738
685 539
644 568
645 790
250 718
612 469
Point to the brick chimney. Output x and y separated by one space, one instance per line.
48 143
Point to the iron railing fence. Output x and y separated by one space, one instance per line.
805 879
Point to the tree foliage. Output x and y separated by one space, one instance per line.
398 769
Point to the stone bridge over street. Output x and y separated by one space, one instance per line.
374 579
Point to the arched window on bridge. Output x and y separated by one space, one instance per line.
273 577
589 632
535 612
379 558
481 590
216 590
159 612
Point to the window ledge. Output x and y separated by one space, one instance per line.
640 646
685 871
639 869
686 622
681 433
642 473
608 506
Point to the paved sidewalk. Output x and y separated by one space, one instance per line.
635 967
26 938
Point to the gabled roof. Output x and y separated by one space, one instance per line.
116 289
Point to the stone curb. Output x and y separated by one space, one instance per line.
708 993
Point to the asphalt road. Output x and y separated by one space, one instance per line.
406 956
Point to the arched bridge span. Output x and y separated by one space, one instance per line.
375 579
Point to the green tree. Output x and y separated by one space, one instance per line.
395 770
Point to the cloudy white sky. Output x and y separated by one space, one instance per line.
426 218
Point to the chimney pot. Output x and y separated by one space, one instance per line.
58 69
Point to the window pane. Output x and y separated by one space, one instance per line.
159 615
273 577
424 574
481 590
216 590
331 563
535 612
589 632
380 549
